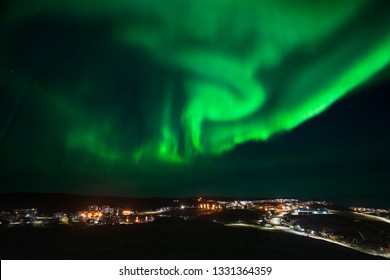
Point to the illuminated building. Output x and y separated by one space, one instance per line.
127 212
210 205
302 211
93 208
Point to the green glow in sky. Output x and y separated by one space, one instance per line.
217 73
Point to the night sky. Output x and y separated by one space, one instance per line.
197 97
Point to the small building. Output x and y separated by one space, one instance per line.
64 219
210 205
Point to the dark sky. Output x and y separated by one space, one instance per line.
178 98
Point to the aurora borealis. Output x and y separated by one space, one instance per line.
144 97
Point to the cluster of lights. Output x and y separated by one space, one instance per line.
369 210
126 212
98 214
210 207
90 215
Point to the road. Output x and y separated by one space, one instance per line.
291 231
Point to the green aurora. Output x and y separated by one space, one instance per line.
130 82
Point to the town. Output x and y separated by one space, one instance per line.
359 228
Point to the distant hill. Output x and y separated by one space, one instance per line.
70 202
49 202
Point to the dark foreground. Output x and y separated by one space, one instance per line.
163 239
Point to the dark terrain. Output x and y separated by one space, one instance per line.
163 239
53 202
